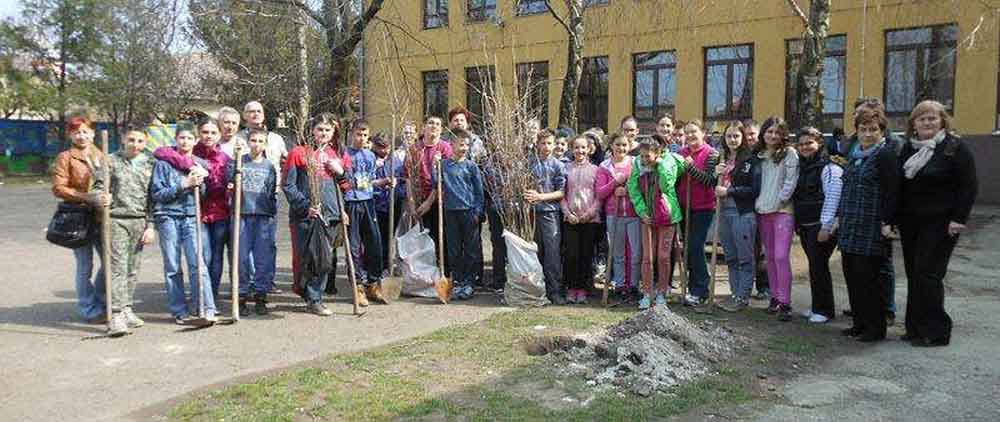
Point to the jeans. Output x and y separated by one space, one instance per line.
499 246
177 238
578 269
89 294
215 240
257 241
776 232
697 266
547 237
366 242
658 242
738 233
927 248
820 281
462 233
624 233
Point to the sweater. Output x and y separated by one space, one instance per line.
778 182
361 175
420 160
463 186
657 183
581 196
945 188
258 192
617 206
700 177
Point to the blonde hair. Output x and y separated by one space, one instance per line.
924 107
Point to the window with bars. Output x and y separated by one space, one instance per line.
435 93
728 82
833 82
481 10
919 65
530 7
479 82
654 85
592 96
533 89
435 13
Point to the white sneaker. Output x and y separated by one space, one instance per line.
132 319
818 319
808 313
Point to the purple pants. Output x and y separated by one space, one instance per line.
776 232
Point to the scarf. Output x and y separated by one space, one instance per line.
857 154
925 150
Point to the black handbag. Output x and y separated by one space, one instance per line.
72 226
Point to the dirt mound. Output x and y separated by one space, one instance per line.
651 351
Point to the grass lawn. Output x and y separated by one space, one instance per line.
480 371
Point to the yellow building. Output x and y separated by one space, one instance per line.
708 59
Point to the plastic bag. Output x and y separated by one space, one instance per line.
419 263
525 281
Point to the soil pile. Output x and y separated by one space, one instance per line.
651 351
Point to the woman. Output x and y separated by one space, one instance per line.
867 210
938 189
779 170
740 173
696 192
72 176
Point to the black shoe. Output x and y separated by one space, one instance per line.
909 337
870 338
558 300
260 304
848 312
890 319
773 307
926 342
850 332
784 313
244 307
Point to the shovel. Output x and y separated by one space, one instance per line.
392 285
443 285
237 206
106 229
347 253
201 321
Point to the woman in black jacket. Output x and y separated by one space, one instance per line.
938 190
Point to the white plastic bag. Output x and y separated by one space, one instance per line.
416 250
525 281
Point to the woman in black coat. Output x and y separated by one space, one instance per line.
938 189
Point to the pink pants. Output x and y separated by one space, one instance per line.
656 241
776 232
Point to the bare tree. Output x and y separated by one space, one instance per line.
809 92
572 22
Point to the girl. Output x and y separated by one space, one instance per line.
696 191
665 128
740 173
581 212
779 175
816 197
623 224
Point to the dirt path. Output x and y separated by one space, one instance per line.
51 373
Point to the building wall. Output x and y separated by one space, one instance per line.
398 53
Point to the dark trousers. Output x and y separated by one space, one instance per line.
547 237
430 222
696 265
499 246
820 281
927 248
388 234
462 233
312 288
577 262
760 281
366 242
866 291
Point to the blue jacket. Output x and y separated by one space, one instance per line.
463 186
167 192
393 164
550 176
361 175
259 181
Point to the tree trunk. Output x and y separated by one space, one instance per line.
574 64
810 76
303 111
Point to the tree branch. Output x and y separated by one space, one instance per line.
301 5
798 11
347 46
548 5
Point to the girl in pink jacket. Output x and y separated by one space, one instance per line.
581 212
624 228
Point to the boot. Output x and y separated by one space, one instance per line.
360 295
260 304
374 292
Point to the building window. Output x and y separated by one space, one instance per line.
478 89
435 13
919 65
588 3
531 7
654 85
435 93
729 82
592 98
533 89
833 82
481 10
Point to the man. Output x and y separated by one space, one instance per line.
277 152
229 122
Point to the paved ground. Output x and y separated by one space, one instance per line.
53 371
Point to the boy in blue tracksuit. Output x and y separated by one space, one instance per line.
366 242
388 170
172 193
550 178
257 226
463 204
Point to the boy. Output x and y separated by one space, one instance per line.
550 177
388 171
174 212
463 204
366 242
257 225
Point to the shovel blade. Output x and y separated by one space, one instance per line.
443 289
392 287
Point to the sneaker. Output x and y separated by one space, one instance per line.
182 320
644 303
734 304
132 319
319 309
558 300
661 299
260 304
692 300
456 293
890 319
773 307
359 295
118 325
276 291
469 292
818 319
784 313
762 295
582 297
808 313
374 292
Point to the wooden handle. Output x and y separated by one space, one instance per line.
106 228
347 249
234 261
440 204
